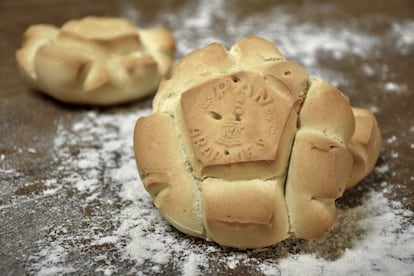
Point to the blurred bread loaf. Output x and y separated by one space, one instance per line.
245 149
95 60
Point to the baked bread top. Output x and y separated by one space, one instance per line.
95 60
245 149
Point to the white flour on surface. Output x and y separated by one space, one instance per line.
373 236
50 261
97 167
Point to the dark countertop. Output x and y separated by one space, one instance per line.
54 220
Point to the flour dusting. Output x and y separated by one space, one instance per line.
373 235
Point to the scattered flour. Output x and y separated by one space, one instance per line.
392 139
381 169
50 261
374 109
394 154
32 150
380 246
96 164
373 236
404 35
106 240
395 87
191 265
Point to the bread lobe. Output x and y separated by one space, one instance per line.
255 217
163 172
365 145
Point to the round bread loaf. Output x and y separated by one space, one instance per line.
95 60
245 149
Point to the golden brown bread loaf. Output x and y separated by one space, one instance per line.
244 149
95 60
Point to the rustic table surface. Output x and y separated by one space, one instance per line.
70 197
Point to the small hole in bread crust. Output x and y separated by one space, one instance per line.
287 73
333 147
226 152
238 118
235 78
215 115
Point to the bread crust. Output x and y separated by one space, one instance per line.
324 157
365 145
164 173
222 107
255 217
87 62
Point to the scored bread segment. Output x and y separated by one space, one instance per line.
365 145
321 162
164 173
255 216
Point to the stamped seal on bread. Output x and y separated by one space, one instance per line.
95 60
245 149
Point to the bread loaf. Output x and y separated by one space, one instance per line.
245 149
95 60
